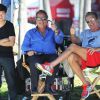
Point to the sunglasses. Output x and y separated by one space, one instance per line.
91 20
41 19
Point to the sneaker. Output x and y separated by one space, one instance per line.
46 68
86 91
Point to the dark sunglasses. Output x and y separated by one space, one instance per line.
91 20
41 19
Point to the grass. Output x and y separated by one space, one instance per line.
3 91
75 95
77 92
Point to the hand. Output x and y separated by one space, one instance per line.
54 27
72 30
91 51
4 40
31 53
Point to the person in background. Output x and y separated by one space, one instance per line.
79 57
7 40
40 46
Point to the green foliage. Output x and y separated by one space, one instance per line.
3 91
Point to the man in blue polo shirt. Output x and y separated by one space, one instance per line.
40 46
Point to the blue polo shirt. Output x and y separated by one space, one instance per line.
90 39
35 41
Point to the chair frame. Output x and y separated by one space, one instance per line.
41 85
93 83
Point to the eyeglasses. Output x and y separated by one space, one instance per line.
91 20
41 19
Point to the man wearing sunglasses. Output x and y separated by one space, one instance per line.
81 57
40 46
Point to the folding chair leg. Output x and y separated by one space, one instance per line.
97 92
41 85
94 88
35 98
95 81
49 96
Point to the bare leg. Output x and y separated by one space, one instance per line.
72 49
75 63
61 58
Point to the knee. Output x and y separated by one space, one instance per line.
72 47
72 58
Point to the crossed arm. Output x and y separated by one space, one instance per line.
7 42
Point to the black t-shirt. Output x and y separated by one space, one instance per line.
6 31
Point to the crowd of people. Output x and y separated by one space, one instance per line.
39 45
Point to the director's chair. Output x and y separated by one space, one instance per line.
41 84
95 74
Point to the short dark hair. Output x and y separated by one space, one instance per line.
42 11
94 14
3 8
